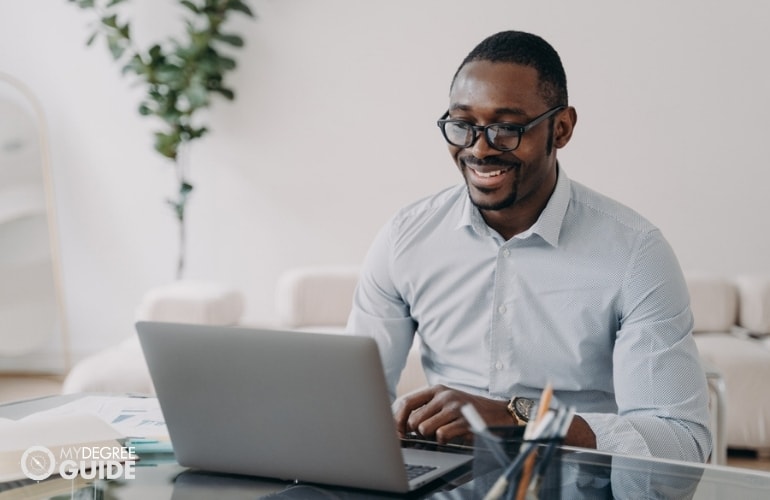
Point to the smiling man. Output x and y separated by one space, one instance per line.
520 277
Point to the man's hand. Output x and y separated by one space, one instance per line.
434 413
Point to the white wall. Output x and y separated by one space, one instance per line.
333 130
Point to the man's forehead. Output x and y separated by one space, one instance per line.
509 86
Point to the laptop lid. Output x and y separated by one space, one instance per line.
281 404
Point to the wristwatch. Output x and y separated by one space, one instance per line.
519 408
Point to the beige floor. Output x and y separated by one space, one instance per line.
17 387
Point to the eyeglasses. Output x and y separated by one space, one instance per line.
500 136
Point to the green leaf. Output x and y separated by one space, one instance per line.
92 38
226 93
110 21
172 116
167 144
226 63
155 52
169 74
200 39
190 6
116 45
136 65
144 109
125 31
177 207
234 40
239 6
113 3
197 133
197 95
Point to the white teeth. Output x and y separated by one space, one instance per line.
487 175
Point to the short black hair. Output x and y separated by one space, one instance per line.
526 49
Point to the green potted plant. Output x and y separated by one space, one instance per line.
180 77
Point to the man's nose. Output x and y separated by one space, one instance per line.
482 149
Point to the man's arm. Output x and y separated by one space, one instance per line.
378 310
435 413
660 385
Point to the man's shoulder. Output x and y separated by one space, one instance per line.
601 207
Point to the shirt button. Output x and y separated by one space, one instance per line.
506 253
499 365
501 309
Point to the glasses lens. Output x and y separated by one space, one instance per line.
503 137
459 133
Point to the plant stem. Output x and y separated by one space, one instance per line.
180 165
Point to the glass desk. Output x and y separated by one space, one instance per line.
573 474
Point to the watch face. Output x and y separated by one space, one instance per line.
523 407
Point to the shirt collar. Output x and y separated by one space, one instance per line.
547 226
470 216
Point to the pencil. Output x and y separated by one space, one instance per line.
526 474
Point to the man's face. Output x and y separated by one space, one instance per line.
487 92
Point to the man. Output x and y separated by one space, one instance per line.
522 277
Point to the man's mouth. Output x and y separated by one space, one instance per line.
487 175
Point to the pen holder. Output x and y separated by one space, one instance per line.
494 457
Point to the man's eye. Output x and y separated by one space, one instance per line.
461 125
507 129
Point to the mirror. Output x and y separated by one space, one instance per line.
33 335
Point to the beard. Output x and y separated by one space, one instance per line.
503 203
500 205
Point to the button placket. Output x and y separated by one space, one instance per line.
500 343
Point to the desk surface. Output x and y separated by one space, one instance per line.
578 474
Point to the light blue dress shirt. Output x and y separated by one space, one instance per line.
591 298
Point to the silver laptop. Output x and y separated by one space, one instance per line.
281 404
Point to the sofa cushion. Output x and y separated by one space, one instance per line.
745 366
754 309
192 302
315 297
714 303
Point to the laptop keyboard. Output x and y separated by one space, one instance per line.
414 471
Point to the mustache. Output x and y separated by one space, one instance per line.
492 161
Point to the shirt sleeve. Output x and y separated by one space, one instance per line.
379 311
660 384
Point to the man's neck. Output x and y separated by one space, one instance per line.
520 216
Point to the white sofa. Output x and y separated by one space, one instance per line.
318 299
732 330
121 368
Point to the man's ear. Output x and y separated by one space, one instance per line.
564 126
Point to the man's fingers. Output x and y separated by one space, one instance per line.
406 405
